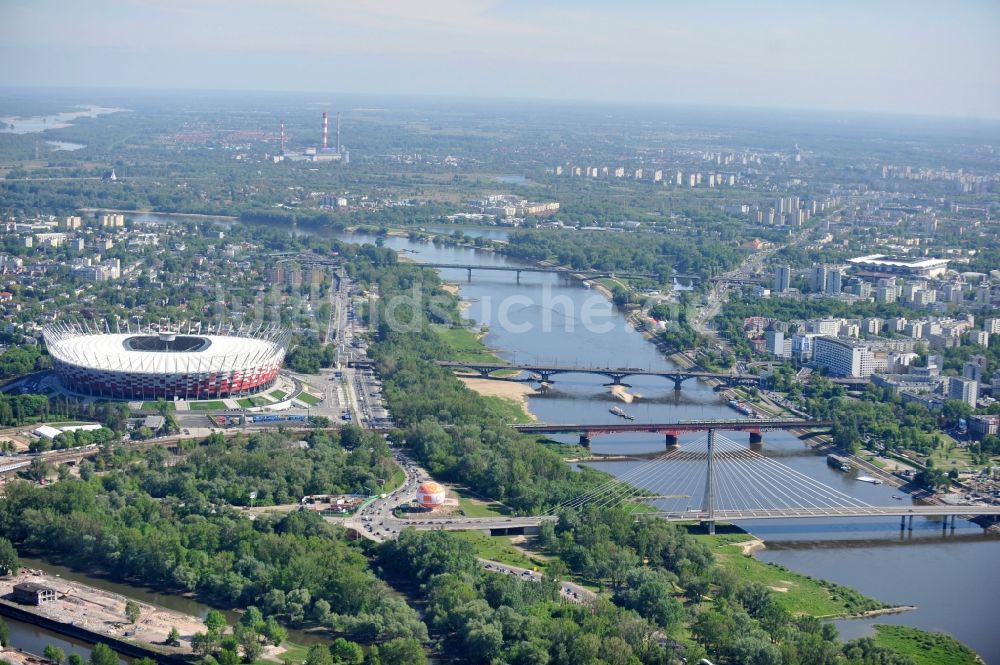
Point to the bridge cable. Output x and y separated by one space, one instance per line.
623 483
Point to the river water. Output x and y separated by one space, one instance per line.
951 577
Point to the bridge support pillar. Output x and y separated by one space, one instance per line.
678 383
902 522
756 438
671 440
470 274
710 485
518 274
585 441
909 525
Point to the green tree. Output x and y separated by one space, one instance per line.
102 654
345 652
54 653
403 651
215 621
4 634
75 659
318 655
273 632
249 641
9 563
174 637
132 611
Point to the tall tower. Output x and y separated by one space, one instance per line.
326 129
338 133
282 137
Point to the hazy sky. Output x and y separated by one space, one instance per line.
934 57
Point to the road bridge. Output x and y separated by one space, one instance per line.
755 427
545 372
503 525
585 274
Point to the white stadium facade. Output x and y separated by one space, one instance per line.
165 364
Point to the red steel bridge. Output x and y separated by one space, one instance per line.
672 430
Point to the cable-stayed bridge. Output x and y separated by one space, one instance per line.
718 479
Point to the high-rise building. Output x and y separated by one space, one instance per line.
965 390
782 278
972 371
843 357
774 342
885 294
983 295
817 281
834 282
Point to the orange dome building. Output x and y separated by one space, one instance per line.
430 494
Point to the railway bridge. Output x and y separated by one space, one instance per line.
756 427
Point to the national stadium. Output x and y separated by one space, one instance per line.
162 363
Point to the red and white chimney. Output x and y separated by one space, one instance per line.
326 129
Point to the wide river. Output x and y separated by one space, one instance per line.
952 577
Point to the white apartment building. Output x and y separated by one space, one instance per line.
843 357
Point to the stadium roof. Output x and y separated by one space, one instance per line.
902 262
117 352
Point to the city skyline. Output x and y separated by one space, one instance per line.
919 58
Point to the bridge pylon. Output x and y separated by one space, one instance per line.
709 504
672 440
756 438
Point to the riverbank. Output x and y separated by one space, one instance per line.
797 593
925 647
514 392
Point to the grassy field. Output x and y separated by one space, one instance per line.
950 456
208 406
507 408
306 398
278 394
475 507
924 647
294 653
247 402
394 481
799 594
463 344
499 548
153 406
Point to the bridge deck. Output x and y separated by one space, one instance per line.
564 271
606 371
737 515
730 515
682 426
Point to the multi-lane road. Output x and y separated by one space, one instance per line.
376 521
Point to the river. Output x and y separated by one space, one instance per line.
951 577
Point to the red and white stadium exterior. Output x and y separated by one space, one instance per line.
156 364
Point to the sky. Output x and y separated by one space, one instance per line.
910 56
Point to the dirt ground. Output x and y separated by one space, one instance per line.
17 657
104 612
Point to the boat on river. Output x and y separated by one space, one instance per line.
621 414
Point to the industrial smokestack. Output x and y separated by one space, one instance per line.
338 133
326 129
282 137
